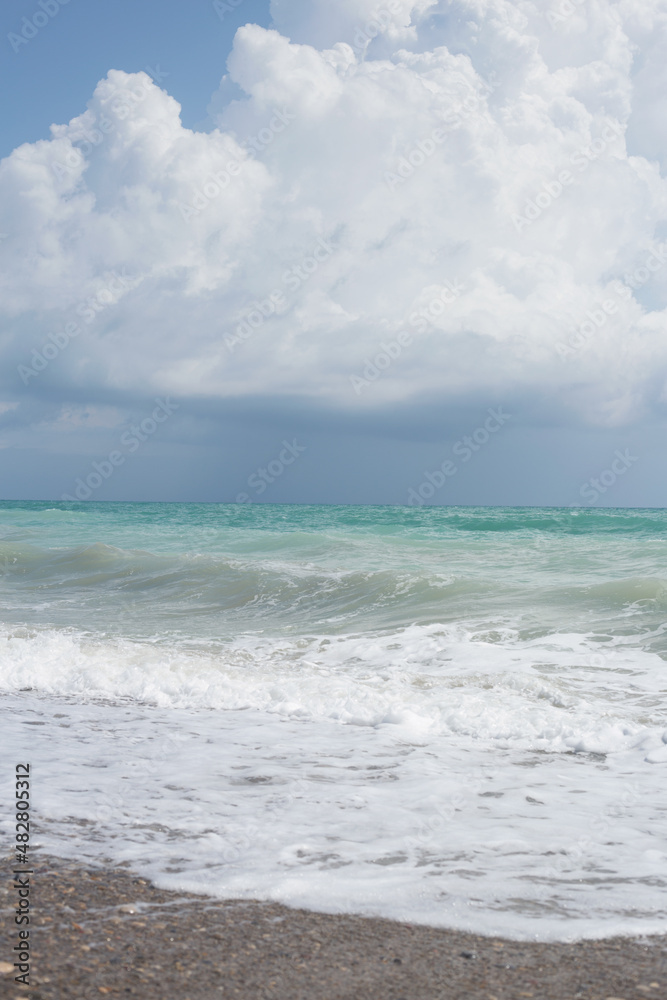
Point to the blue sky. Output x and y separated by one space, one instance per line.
368 252
51 78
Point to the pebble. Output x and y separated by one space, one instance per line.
6 968
135 958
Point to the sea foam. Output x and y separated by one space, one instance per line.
454 717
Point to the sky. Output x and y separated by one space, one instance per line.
376 251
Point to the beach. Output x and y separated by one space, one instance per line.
363 720
102 931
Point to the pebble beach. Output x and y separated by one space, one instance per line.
103 931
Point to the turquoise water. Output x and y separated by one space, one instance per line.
450 715
212 570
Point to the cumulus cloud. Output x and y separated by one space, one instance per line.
387 24
480 177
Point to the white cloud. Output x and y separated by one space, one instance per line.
420 156
359 23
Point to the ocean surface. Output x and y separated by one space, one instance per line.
453 716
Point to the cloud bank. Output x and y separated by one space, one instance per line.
398 204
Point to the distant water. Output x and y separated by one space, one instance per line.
454 716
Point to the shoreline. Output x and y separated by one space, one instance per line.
106 931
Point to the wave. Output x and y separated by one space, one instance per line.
260 590
428 680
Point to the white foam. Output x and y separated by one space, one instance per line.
555 694
430 774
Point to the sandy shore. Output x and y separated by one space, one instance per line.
108 932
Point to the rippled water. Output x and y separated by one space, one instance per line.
452 715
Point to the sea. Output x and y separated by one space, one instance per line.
453 716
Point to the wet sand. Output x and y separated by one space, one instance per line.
99 932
